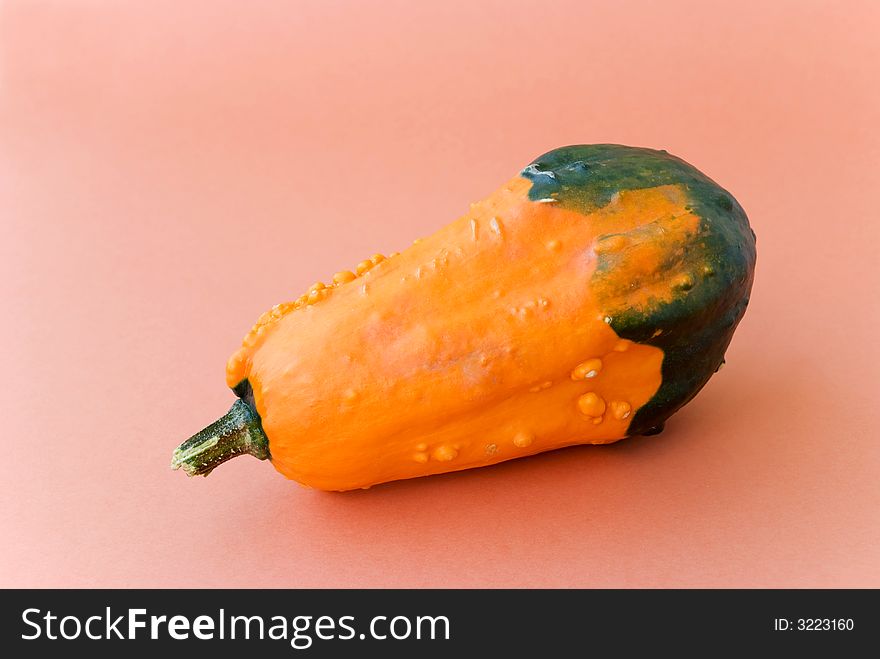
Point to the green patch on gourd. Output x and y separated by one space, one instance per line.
695 326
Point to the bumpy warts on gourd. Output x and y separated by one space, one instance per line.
585 300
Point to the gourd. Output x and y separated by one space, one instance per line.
584 301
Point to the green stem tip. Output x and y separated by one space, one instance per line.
237 432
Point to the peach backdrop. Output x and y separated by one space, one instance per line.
169 170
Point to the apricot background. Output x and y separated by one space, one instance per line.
170 170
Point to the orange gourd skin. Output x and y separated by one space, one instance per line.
490 340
